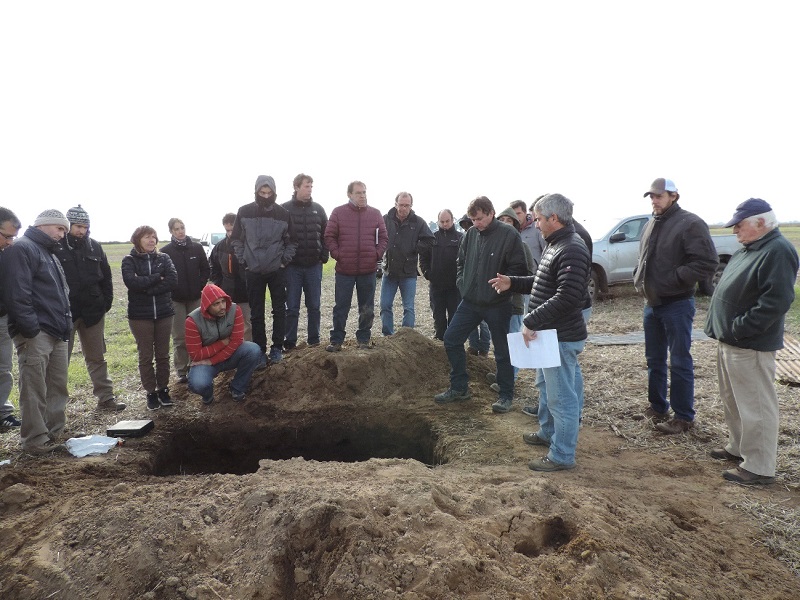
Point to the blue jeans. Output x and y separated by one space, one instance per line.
343 298
257 284
480 338
408 291
515 326
560 403
668 328
467 318
244 360
308 281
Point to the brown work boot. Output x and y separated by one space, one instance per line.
653 415
722 454
675 425
745 477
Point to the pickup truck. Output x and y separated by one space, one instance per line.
615 255
209 240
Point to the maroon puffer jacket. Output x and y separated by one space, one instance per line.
356 238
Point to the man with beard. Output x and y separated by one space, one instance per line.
91 294
438 265
263 240
304 272
228 275
40 329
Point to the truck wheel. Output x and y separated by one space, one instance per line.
594 286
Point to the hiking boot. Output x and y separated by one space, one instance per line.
332 347
208 400
275 355
183 379
164 398
452 395
491 377
111 404
10 421
289 347
46 448
546 465
495 388
675 425
503 405
722 454
745 477
152 401
364 346
531 411
653 415
534 440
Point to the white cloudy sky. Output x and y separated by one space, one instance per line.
147 110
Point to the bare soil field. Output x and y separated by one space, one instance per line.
340 478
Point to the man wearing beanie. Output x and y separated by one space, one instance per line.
9 227
264 244
91 293
746 317
36 296
676 251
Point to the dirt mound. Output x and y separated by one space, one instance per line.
339 477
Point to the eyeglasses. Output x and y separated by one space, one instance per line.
9 238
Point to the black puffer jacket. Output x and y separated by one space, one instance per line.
438 262
193 270
34 288
91 289
309 221
150 278
559 286
227 273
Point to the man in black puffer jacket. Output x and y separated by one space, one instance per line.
304 272
558 292
91 294
36 296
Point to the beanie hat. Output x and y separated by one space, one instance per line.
77 216
52 217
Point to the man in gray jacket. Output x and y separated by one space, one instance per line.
36 296
746 317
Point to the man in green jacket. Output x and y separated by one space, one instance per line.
746 317
488 248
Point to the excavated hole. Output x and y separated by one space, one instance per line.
544 537
199 449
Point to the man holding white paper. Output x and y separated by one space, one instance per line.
557 297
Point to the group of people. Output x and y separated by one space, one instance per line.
525 269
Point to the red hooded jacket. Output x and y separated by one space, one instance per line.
213 348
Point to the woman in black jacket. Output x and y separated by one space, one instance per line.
193 271
150 278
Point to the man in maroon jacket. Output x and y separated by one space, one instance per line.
356 237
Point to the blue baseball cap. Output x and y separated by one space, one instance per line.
749 208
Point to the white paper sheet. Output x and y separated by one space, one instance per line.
542 353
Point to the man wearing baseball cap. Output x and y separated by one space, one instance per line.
746 317
676 251
39 320
91 294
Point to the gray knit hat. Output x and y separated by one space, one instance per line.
52 217
77 216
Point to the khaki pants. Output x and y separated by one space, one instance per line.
43 392
747 389
93 346
152 341
6 380
179 355
248 329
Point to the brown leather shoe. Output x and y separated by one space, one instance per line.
745 477
675 425
722 454
653 415
534 440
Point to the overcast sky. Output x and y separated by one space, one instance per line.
142 111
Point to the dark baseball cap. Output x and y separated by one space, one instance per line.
749 208
661 185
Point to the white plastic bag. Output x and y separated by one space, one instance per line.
90 445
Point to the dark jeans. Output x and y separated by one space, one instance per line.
245 360
467 318
668 328
303 281
443 306
257 284
343 297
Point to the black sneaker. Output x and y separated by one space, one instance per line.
10 421
237 396
152 401
163 397
503 405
